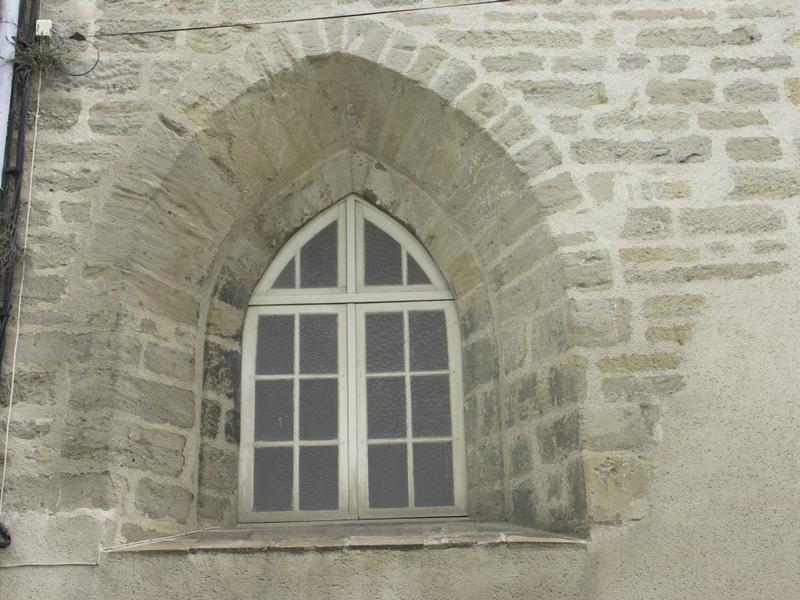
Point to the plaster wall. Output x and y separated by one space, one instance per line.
612 189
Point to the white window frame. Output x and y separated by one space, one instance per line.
351 300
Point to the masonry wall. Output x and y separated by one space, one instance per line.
611 187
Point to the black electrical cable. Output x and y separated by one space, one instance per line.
5 536
81 37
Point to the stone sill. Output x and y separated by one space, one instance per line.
350 535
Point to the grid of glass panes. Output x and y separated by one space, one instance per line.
409 428
386 262
297 443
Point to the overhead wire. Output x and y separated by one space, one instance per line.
245 24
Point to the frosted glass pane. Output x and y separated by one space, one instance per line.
319 259
388 476
319 478
272 479
382 257
274 410
319 408
416 276
430 405
286 278
428 343
275 345
433 474
318 348
384 333
386 407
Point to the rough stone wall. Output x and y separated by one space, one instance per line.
600 180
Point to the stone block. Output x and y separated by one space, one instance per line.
558 193
613 427
650 121
650 222
625 363
689 149
520 455
57 113
428 60
521 62
218 469
452 79
678 306
493 38
598 322
159 500
632 62
681 91
537 157
754 148
118 117
664 37
221 367
793 90
513 127
750 91
62 492
760 63
152 43
766 183
480 363
731 119
587 269
657 14
558 437
706 272
658 254
212 508
680 334
169 362
616 487
673 63
563 92
210 418
732 219
523 504
640 390
482 103
601 186
232 420
584 63
566 382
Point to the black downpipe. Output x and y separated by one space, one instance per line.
11 187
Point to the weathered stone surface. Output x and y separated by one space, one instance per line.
617 488
558 437
651 222
60 492
482 103
754 148
598 322
172 363
563 92
639 362
159 500
520 62
761 63
613 427
627 388
681 91
705 272
673 63
732 219
633 62
765 183
57 113
652 121
655 14
658 253
690 149
750 91
118 117
793 90
221 370
558 193
664 37
537 157
680 334
601 186
581 63
566 382
729 119
512 37
679 306
218 469
209 418
514 126
587 269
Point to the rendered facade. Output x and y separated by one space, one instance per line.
610 190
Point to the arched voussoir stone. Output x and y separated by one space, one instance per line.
201 205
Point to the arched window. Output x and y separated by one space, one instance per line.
351 380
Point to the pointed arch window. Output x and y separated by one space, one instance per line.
351 378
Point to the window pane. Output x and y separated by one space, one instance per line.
388 476
319 407
430 405
319 259
319 478
428 333
274 420
275 345
433 474
386 407
318 349
272 479
286 278
382 257
416 276
384 333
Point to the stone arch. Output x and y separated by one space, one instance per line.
203 202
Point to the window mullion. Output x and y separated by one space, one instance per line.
296 419
407 377
352 433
